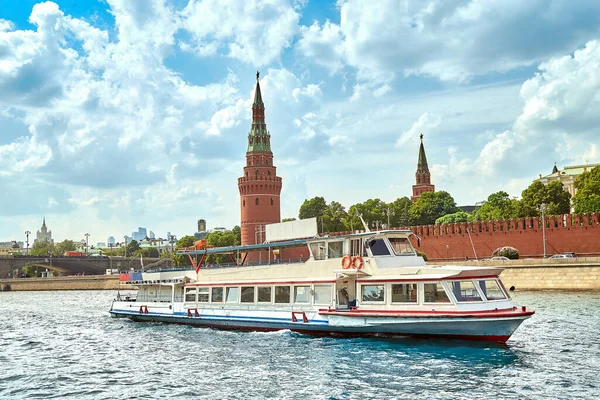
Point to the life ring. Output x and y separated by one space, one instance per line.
346 262
360 262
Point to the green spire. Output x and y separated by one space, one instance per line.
259 138
422 164
257 95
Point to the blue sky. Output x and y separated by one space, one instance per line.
116 114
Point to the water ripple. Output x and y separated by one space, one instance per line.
65 345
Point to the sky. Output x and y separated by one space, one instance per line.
116 114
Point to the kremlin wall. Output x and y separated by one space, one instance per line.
566 233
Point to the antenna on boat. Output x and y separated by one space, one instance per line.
359 215
474 252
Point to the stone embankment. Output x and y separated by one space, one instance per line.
87 282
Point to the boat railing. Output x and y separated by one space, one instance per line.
294 260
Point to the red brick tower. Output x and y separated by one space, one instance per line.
423 175
260 186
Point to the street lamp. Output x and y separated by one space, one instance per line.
375 224
87 235
388 212
125 238
173 241
27 233
542 208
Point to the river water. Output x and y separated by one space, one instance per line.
65 344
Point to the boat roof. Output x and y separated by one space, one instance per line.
292 243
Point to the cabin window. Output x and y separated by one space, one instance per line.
357 249
282 294
378 247
322 294
247 294
492 290
217 295
465 291
203 294
336 249
232 294
402 246
318 250
373 293
435 293
301 294
190 295
404 293
264 294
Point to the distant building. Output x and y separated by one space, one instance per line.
151 235
100 244
111 241
566 176
140 235
201 225
219 229
43 235
423 176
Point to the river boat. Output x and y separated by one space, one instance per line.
360 284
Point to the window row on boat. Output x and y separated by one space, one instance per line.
431 292
388 246
318 294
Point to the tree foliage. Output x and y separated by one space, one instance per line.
431 206
312 208
553 195
587 198
459 216
498 205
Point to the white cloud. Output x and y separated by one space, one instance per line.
253 31
427 123
451 41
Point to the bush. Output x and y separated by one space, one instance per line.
507 251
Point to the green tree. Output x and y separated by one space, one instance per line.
459 216
221 239
183 259
587 198
133 246
288 219
237 231
498 205
557 200
372 212
61 248
151 252
431 206
400 209
42 248
312 208
334 217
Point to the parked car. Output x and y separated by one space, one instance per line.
564 255
499 258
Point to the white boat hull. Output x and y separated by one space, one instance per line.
471 326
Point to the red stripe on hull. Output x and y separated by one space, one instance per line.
429 314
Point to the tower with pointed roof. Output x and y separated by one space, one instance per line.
259 186
423 176
43 235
